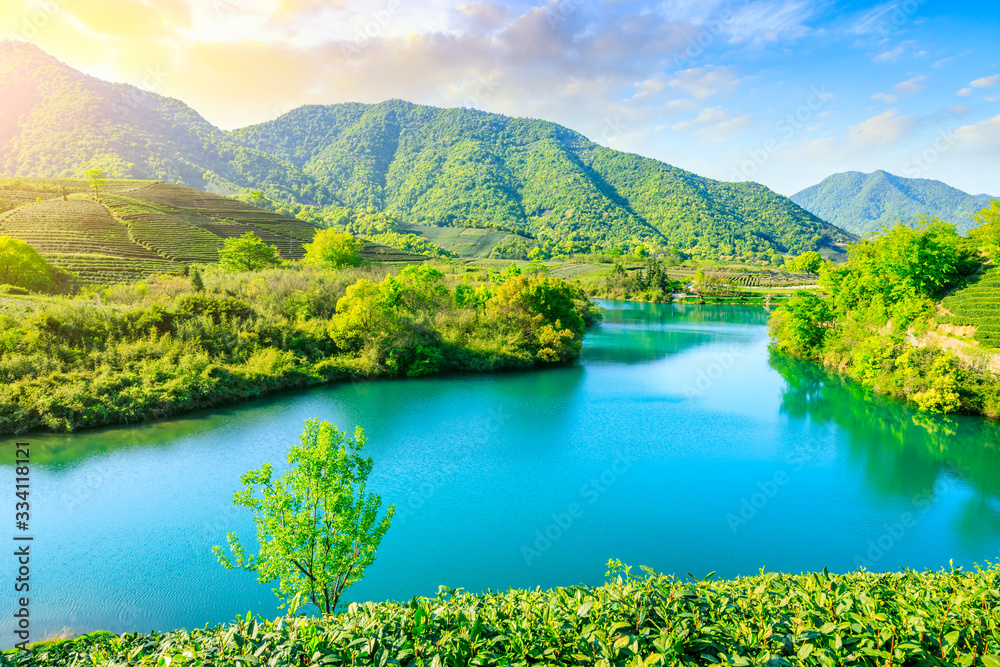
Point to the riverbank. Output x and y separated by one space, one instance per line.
948 617
875 322
133 353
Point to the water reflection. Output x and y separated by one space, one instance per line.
904 452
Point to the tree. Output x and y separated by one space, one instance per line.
317 526
247 253
807 262
333 248
197 283
801 324
21 265
97 180
986 236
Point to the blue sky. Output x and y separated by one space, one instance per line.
784 92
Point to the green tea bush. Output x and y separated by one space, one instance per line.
947 618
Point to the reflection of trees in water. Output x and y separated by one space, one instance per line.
904 452
641 332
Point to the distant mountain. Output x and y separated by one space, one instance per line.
423 165
863 203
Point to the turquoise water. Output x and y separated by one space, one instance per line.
676 442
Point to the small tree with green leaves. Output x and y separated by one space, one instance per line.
247 253
317 525
97 180
22 266
333 248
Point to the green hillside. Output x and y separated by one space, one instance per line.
552 187
467 168
863 203
138 228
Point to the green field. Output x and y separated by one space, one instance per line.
978 305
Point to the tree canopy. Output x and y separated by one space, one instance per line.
247 253
22 266
334 249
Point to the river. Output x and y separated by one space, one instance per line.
678 442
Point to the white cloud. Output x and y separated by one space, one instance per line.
886 128
890 56
911 86
964 92
770 20
888 98
986 82
701 83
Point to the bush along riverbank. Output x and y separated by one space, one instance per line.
887 292
130 353
950 617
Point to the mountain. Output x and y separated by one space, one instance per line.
863 203
549 185
56 122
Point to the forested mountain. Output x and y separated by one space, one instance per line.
464 167
424 165
57 122
862 203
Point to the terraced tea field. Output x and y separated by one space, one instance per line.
978 305
143 227
75 226
100 269
759 278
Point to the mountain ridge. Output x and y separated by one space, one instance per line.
424 165
862 202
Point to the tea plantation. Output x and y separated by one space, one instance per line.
978 305
950 617
138 228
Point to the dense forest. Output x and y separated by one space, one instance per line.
558 191
460 167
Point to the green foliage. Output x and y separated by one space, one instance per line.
132 352
317 525
945 618
22 266
901 267
986 237
876 301
651 284
247 253
978 305
808 262
800 325
864 203
334 249
97 180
